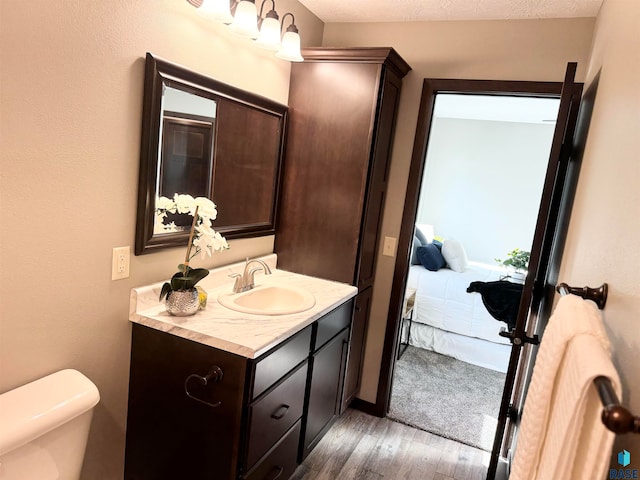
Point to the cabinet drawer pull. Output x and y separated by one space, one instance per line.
276 416
214 376
277 471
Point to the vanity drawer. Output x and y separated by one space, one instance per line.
282 359
271 416
281 461
333 323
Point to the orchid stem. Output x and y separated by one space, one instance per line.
187 256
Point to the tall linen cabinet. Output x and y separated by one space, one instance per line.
343 105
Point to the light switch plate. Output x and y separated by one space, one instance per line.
389 247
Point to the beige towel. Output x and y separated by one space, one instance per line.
560 424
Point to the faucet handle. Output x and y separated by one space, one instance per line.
250 280
237 285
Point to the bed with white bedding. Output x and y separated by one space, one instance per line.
450 321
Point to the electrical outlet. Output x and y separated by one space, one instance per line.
120 262
389 247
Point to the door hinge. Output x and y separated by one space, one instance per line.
512 413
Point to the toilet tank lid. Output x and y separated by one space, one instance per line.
36 408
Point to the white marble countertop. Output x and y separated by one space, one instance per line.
244 334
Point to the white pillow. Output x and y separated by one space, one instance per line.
455 256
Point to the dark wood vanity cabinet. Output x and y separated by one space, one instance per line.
343 105
198 412
169 434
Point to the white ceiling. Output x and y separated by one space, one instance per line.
497 108
430 10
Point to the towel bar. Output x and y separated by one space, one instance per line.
614 416
598 295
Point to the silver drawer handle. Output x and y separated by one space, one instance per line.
279 416
214 376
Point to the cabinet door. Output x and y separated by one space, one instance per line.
325 390
356 347
172 434
332 117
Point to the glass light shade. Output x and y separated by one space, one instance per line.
269 34
216 10
290 47
245 20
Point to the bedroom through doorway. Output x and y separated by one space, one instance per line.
482 182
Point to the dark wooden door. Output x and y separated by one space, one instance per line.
540 282
187 148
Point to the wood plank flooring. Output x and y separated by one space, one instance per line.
364 447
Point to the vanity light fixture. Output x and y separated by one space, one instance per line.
269 28
215 10
243 18
290 49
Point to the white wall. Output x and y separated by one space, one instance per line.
604 233
493 50
71 106
482 183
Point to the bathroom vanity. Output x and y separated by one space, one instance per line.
230 395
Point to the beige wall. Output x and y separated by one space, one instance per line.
71 97
70 107
604 234
493 50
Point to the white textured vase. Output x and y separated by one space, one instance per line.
182 303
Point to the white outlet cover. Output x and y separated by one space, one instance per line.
120 261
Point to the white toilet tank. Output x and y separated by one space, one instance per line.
44 427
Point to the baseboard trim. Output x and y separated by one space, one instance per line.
366 407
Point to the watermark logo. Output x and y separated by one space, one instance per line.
624 460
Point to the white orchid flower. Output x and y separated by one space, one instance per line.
185 203
165 204
218 242
206 208
202 247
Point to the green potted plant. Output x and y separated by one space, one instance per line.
181 295
517 260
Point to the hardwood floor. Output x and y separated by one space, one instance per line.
363 447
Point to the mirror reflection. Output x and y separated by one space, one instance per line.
186 153
204 138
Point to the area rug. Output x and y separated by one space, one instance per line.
447 397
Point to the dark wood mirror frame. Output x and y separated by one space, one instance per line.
255 131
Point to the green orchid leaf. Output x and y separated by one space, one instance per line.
197 274
178 282
166 288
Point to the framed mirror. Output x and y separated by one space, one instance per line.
204 138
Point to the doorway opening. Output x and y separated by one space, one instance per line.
548 241
479 197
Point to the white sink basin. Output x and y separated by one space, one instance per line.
269 300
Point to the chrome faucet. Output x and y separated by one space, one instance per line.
246 281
